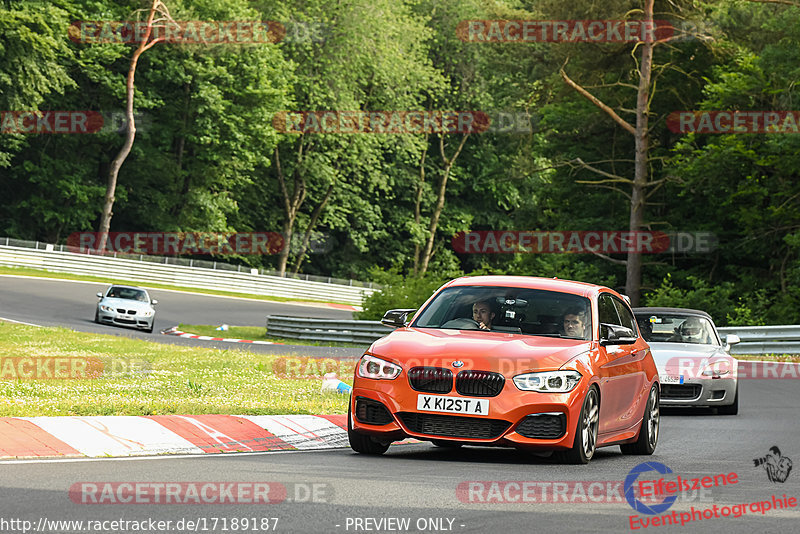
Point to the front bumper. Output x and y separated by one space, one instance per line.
699 392
387 410
134 321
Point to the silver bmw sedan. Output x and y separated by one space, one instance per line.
126 306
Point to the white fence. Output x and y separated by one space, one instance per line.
146 270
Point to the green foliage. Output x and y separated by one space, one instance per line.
725 305
398 292
204 156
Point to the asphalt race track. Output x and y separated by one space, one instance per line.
420 482
72 305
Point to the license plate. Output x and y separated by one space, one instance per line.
671 379
437 403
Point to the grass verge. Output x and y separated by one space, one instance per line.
792 358
144 378
39 273
256 333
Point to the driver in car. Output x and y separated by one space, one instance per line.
483 314
690 331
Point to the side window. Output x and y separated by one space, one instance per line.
625 316
606 310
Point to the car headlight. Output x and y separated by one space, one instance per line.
375 368
549 381
718 368
106 308
147 313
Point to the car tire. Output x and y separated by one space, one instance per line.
149 330
585 443
362 443
648 432
444 444
97 317
731 409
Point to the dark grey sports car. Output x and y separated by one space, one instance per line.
695 367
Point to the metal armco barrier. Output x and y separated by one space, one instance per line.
782 339
360 332
180 275
754 339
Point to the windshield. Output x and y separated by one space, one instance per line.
509 309
676 328
127 293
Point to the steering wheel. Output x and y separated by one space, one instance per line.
462 323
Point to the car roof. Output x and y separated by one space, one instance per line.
531 282
682 311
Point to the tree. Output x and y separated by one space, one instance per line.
157 17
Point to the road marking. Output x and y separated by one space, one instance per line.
20 322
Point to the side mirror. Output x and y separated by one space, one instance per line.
397 318
612 334
154 302
99 295
731 340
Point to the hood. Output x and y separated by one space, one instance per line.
671 357
501 352
128 304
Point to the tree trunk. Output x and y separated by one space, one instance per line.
291 204
427 253
418 202
310 228
633 278
130 131
640 182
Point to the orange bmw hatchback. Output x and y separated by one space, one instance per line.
510 361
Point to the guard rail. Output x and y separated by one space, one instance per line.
146 270
754 339
359 332
782 339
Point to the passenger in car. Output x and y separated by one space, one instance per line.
575 323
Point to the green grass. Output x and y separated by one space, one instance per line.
145 378
39 273
257 333
794 358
